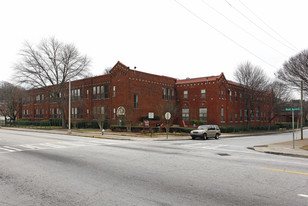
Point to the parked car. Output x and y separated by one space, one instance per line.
206 131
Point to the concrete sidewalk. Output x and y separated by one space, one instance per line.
283 148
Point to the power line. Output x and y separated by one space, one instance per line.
267 25
247 32
244 48
259 26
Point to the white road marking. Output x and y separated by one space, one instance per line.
11 148
228 150
53 145
302 195
6 149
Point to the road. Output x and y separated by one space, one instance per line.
49 169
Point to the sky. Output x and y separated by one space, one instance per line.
175 38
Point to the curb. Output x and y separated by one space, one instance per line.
279 153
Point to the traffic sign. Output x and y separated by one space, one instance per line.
290 109
168 115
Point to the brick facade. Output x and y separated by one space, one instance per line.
213 100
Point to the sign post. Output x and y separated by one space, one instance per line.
289 110
151 116
167 117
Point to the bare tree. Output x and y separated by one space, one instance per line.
163 109
107 70
295 70
254 85
281 96
128 117
99 114
50 66
11 100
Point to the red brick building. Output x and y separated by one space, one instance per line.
213 100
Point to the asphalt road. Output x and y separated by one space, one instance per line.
49 169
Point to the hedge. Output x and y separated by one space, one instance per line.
117 128
145 117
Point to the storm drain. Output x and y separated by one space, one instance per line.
223 154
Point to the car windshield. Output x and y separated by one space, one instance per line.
203 127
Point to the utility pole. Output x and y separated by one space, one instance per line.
302 136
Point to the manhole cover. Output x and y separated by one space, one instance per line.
223 154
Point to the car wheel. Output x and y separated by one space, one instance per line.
193 138
205 136
217 136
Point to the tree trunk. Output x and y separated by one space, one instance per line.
63 116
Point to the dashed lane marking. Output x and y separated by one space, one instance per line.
302 195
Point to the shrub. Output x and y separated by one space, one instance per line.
44 123
145 117
94 124
82 124
55 122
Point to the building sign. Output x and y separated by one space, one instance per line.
121 111
151 115
146 123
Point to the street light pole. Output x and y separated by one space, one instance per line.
69 108
302 136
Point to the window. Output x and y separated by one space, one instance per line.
203 93
98 113
235 96
258 114
39 113
77 113
94 112
87 94
114 91
135 101
76 94
87 113
106 89
114 113
230 94
231 118
102 92
235 117
241 97
172 93
252 114
38 98
185 94
203 114
185 114
97 92
222 115
246 115
241 116
94 92
168 94
25 113
164 92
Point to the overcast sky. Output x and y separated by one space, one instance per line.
183 38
